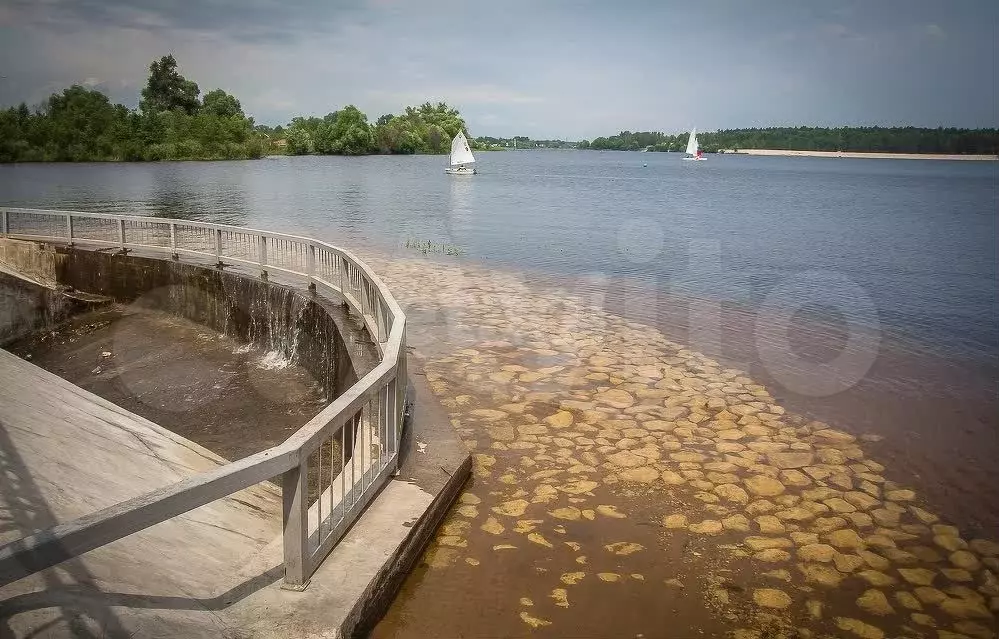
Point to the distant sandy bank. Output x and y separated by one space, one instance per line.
844 154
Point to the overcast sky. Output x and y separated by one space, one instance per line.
558 68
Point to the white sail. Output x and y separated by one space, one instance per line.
692 142
460 153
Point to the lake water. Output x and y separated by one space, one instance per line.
890 261
917 237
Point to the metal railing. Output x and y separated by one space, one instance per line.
331 467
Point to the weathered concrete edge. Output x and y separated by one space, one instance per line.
370 610
427 422
43 306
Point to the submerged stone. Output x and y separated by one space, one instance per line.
771 598
859 628
763 486
707 527
875 602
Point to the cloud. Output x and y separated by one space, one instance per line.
458 94
262 20
561 68
934 31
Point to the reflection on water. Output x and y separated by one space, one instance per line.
462 206
917 238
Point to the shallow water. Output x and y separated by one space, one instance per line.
859 292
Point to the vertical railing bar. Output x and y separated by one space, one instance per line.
263 255
121 233
393 399
332 457
376 401
295 515
383 427
311 266
69 227
388 423
353 460
343 472
366 448
4 222
319 487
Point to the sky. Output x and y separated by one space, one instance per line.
568 69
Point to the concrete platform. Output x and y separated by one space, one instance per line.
214 572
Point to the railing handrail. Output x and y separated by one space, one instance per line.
46 548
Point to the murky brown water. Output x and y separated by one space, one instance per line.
626 486
233 400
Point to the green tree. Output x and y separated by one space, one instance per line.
351 132
167 89
299 141
220 104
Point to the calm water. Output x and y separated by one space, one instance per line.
917 238
901 253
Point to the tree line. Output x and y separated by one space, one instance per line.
522 142
851 139
173 122
428 128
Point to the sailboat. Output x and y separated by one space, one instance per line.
461 157
693 151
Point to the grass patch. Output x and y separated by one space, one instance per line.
429 247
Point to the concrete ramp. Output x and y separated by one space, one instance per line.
64 453
213 572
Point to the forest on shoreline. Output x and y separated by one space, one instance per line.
173 121
848 139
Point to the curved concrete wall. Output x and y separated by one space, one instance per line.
312 332
27 306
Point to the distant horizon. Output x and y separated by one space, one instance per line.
744 128
571 70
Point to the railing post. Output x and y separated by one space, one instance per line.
173 241
69 228
311 267
296 522
401 385
339 261
121 234
218 247
4 223
263 256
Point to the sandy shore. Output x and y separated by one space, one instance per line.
884 156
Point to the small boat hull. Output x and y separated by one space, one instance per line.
460 170
695 159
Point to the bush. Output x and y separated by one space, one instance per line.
190 150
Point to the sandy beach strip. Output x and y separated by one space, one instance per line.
848 154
